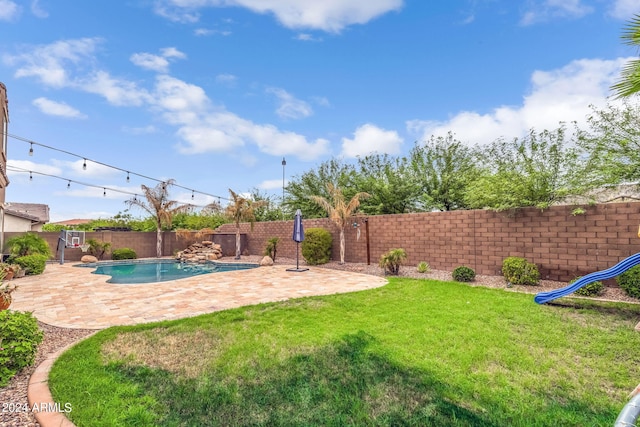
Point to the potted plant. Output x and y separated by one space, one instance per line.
5 294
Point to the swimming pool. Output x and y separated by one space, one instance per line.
150 271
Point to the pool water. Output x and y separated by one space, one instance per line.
160 271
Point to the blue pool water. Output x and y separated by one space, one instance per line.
141 271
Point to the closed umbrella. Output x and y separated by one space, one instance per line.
298 236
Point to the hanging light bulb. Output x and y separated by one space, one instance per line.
31 149
128 179
30 176
104 193
69 184
135 197
192 195
84 164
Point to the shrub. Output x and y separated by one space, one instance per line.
19 339
518 271
423 267
98 248
392 260
592 289
316 246
27 244
629 281
123 253
32 264
463 274
272 248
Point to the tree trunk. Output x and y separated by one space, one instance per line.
238 242
342 245
159 242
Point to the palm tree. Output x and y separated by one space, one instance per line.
160 207
338 210
629 83
242 209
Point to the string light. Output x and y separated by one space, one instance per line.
104 193
30 176
85 159
69 184
192 195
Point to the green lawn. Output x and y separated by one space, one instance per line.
415 352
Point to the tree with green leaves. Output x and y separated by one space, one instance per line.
612 143
242 209
390 183
339 210
537 170
314 181
271 210
444 168
160 207
629 82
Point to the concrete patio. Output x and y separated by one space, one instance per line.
72 297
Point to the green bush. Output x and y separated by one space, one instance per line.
27 244
19 339
123 253
463 274
423 267
629 281
518 271
592 289
32 264
392 260
316 246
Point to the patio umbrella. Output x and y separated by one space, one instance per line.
298 236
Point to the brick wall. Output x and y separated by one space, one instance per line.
562 245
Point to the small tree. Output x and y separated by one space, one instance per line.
160 207
339 210
242 209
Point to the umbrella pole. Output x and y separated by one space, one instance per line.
297 255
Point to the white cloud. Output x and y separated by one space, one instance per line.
24 166
272 184
59 109
144 130
49 63
289 107
116 91
307 38
327 15
150 61
563 94
158 63
625 9
8 10
37 10
545 10
369 139
228 79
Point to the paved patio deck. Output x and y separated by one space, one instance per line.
73 297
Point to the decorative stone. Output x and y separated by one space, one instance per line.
87 259
207 243
266 261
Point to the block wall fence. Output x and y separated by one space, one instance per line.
562 245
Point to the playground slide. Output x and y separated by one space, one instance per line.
609 273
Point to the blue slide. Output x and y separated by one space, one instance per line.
609 273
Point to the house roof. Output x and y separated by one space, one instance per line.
35 212
76 221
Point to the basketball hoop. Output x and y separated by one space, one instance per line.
84 247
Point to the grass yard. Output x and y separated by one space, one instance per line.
414 352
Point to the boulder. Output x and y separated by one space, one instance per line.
266 261
87 259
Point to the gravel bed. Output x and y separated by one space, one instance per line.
56 338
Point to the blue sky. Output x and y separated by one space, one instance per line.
214 93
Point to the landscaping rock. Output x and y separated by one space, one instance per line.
266 262
88 259
200 252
